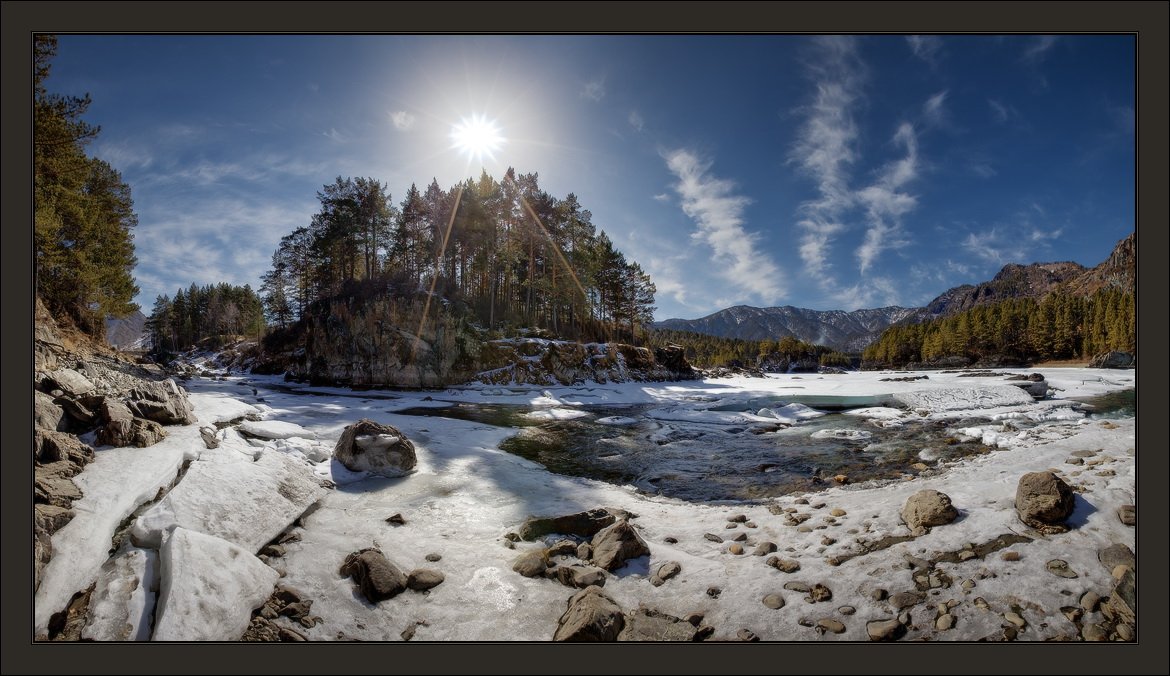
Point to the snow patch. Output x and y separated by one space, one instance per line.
122 605
274 429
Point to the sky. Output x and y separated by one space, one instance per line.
825 172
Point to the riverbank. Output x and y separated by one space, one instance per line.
854 563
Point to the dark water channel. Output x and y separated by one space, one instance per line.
711 462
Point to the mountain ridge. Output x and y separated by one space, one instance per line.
851 331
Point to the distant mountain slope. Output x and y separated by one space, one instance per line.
127 333
853 331
848 331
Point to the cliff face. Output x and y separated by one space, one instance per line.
371 343
1013 281
1118 271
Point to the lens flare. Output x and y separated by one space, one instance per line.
477 136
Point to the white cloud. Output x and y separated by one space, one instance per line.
886 202
1003 112
825 146
636 120
594 90
718 211
662 197
926 47
1038 50
402 120
933 109
868 293
334 135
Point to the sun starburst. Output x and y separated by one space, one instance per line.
477 136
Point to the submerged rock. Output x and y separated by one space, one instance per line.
373 447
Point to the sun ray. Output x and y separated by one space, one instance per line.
478 137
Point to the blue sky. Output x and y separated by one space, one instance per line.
828 172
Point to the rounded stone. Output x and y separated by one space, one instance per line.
774 601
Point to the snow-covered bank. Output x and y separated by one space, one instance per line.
466 495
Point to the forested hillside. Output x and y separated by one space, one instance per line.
221 312
507 251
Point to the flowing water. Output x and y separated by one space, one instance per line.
712 462
1119 404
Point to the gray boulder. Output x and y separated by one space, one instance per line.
532 563
645 624
121 428
71 383
373 447
928 508
46 414
376 577
578 576
163 402
1044 501
590 616
617 544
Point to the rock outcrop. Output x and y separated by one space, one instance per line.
539 361
1113 360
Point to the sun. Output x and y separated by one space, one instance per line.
477 136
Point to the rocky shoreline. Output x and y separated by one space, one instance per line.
284 517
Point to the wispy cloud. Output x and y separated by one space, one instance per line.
594 90
933 110
1123 118
636 120
1001 245
334 135
402 120
1003 112
982 169
662 197
718 211
886 202
825 145
926 47
870 292
1038 49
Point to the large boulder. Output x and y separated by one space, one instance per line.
1044 501
591 616
71 383
163 402
928 508
121 428
1113 360
617 544
581 524
377 578
50 446
373 447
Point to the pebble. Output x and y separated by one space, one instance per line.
805 622
713 537
1119 571
731 525
818 593
432 557
847 610
796 587
735 548
1083 454
804 529
714 592
905 618
397 520
1093 633
764 548
746 635
694 618
981 603
1127 514
944 622
670 540
801 501
740 537
838 512
829 624
1015 619
774 601
966 555
783 565
738 518
826 541
904 599
968 584
1075 461
1073 614
1010 556
1059 568
1125 632
751 524
1090 600
878 594
819 505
